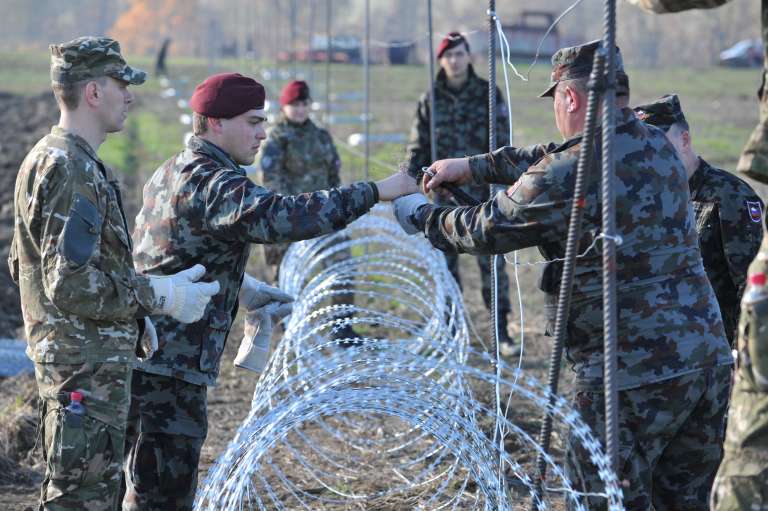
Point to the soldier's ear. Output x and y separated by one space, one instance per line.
92 93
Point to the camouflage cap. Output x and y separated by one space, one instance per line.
662 113
91 57
576 62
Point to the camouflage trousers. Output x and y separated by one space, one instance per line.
670 441
167 426
484 263
83 454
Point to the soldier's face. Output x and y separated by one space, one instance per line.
116 99
297 112
455 62
241 136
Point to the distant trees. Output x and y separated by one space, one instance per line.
146 23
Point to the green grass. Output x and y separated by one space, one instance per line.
720 104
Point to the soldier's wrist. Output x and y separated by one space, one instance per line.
479 168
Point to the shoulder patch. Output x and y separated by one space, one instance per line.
755 211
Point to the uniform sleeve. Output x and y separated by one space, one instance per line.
334 168
77 279
506 164
238 209
419 149
741 235
529 213
272 158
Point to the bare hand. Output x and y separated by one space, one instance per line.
452 170
396 185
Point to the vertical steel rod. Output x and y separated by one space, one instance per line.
367 73
432 131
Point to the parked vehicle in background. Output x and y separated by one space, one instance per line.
745 53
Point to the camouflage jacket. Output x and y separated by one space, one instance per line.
299 158
461 125
668 320
71 256
746 442
729 224
200 207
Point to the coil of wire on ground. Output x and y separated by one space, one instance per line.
402 420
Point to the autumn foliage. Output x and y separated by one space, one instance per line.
143 27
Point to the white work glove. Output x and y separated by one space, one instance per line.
253 353
405 211
181 296
255 294
148 342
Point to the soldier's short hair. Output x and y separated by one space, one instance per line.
199 123
68 94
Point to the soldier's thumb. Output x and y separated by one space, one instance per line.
192 274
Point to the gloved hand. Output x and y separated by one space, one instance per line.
405 211
253 353
148 342
181 296
255 294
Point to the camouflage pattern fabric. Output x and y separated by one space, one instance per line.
729 224
742 480
91 57
662 6
669 323
83 454
71 256
461 128
297 158
728 217
200 207
166 430
670 441
576 62
754 157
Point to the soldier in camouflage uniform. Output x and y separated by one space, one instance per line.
80 295
673 358
742 479
461 128
728 212
199 206
299 157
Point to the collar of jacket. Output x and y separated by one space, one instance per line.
697 179
442 80
201 146
77 139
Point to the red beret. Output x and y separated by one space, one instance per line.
227 95
452 40
297 90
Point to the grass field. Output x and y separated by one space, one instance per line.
719 104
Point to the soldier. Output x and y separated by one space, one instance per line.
298 157
743 476
673 359
200 206
82 301
461 128
728 212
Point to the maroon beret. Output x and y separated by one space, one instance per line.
297 90
452 40
227 95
